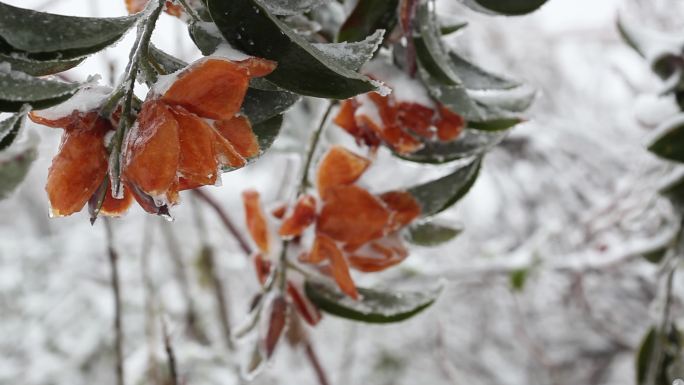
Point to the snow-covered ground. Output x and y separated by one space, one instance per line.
571 195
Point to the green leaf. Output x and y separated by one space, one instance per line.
505 7
430 50
13 170
431 234
261 105
669 143
644 356
475 78
518 278
50 36
267 132
440 194
17 89
21 62
470 143
10 127
292 7
369 16
647 42
353 55
302 68
204 37
167 63
449 24
374 306
655 256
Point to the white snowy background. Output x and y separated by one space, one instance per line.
571 196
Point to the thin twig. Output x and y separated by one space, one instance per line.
225 218
116 290
170 355
216 282
315 363
315 138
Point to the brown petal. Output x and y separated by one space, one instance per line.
303 215
238 131
450 126
325 248
153 150
338 167
351 214
197 163
403 206
78 169
256 220
276 324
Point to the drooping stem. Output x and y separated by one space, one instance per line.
190 11
116 290
225 219
304 184
315 363
216 282
170 355
138 53
313 144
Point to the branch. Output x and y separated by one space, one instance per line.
315 363
118 329
170 356
230 226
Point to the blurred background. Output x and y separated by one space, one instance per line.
546 285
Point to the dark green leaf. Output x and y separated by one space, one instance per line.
9 128
267 132
518 278
475 78
647 42
369 16
505 7
261 105
49 36
204 38
669 143
17 89
440 194
13 170
431 234
645 356
471 142
302 68
374 306
655 256
166 63
353 55
430 50
449 26
35 67
292 7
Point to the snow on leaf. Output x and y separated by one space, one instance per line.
374 306
353 55
18 88
53 36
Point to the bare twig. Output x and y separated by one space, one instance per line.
170 355
116 290
216 282
191 315
225 218
315 363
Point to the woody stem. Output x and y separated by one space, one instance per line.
138 53
315 138
191 11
